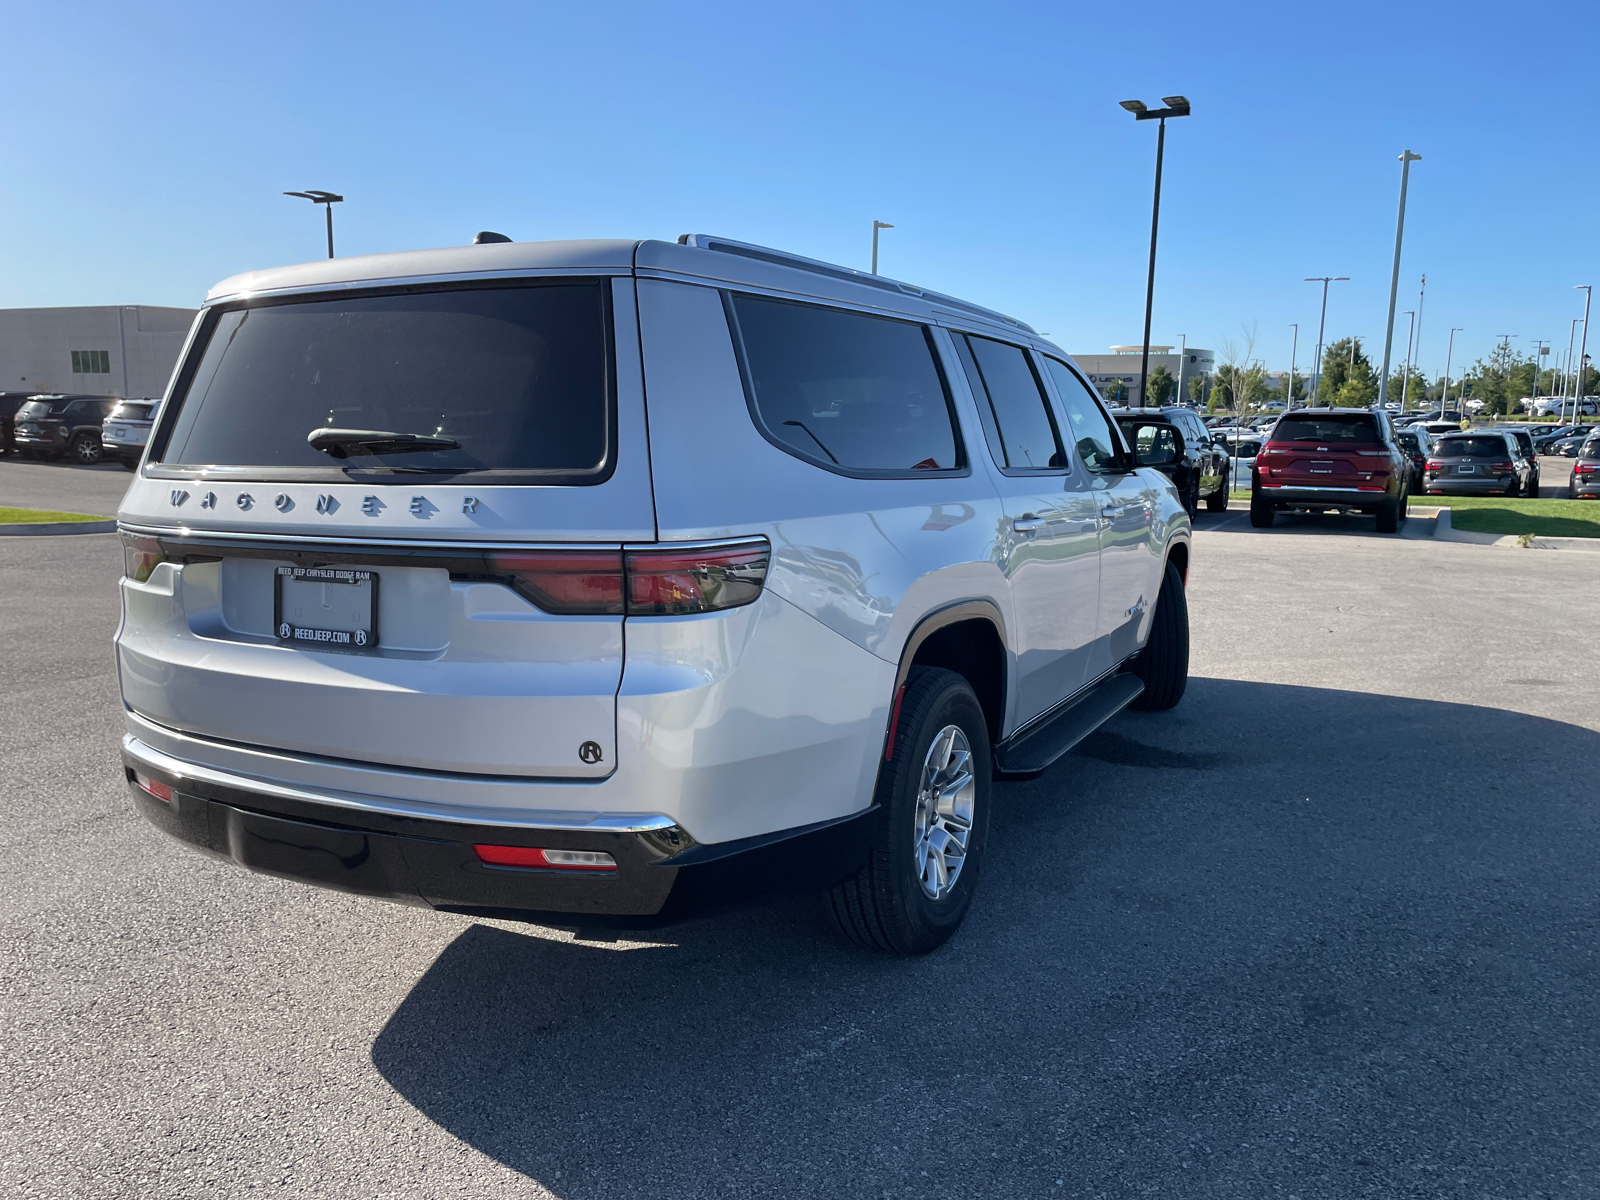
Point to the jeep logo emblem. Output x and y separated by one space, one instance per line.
590 752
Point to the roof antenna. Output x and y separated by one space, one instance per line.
487 236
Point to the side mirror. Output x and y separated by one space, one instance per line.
1155 444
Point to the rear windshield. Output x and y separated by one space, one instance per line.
517 376
131 412
1408 440
1472 447
1326 429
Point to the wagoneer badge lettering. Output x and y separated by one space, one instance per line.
469 504
326 504
245 500
283 503
418 506
590 752
178 497
209 500
370 505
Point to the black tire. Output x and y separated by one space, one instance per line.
1191 501
1389 516
1163 664
1261 513
1218 500
884 905
87 449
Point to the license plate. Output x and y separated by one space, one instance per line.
1467 470
327 608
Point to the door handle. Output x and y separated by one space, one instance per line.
1028 523
1117 511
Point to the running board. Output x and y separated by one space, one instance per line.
1040 745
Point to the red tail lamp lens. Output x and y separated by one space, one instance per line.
564 581
671 582
558 860
140 556
154 786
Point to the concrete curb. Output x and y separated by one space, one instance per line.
58 528
1441 529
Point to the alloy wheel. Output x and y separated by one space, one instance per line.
946 796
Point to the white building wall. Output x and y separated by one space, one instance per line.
36 346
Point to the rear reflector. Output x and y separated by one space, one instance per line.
558 860
140 556
154 786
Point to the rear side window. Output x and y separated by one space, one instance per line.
854 393
518 377
1326 429
1093 435
1017 419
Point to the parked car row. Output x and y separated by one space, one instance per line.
1586 471
87 429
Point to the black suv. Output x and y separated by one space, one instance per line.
1200 471
51 426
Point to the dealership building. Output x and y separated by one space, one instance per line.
1121 366
108 350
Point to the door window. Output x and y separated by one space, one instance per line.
1016 417
1092 433
854 393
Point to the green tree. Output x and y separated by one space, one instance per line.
1348 379
1199 394
1414 394
1161 386
1495 380
1241 378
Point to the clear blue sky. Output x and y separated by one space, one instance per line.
145 148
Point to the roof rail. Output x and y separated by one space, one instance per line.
782 258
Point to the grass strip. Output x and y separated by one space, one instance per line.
1497 514
41 516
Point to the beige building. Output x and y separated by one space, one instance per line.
107 350
1121 366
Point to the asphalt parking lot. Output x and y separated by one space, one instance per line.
1329 928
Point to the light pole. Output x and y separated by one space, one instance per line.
1183 351
1541 349
877 225
1405 386
1294 348
1406 160
326 198
1583 346
1448 354
1316 378
1566 370
1177 106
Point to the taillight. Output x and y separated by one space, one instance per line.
669 582
140 556
546 860
661 581
1585 468
564 581
1434 465
1500 466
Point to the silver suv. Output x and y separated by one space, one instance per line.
605 581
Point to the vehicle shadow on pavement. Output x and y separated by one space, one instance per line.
1334 943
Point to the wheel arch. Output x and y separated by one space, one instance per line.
968 638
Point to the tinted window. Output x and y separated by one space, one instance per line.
844 389
1472 447
1327 429
1091 429
518 376
1016 415
1409 441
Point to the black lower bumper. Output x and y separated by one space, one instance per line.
662 875
1308 497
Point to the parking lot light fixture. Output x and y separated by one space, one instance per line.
1405 385
877 225
1444 396
1406 160
328 199
1322 325
1176 106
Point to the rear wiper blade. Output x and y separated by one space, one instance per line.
342 443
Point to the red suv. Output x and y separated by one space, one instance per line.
1344 459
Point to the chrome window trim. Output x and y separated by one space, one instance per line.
388 281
